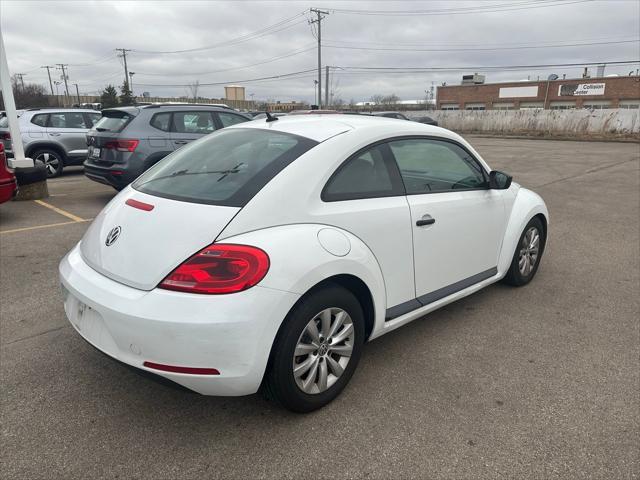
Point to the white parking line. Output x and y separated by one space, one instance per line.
24 229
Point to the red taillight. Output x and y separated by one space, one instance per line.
176 369
5 136
122 145
219 268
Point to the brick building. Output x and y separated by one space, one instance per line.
599 92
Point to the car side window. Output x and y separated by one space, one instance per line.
161 121
40 119
429 165
93 118
227 119
193 122
368 174
67 120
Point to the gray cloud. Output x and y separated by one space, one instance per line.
85 35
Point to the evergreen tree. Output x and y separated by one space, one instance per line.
109 97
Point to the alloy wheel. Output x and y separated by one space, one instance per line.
529 250
323 350
51 162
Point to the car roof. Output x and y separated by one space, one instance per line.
324 126
62 110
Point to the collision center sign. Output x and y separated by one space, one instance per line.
581 89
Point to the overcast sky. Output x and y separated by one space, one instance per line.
456 34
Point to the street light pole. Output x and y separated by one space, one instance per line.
131 74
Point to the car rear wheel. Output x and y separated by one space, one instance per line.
317 350
51 159
526 258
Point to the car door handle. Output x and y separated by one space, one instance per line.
181 142
425 220
55 134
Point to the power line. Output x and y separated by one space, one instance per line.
284 75
464 10
269 60
269 30
483 49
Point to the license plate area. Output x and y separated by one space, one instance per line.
94 152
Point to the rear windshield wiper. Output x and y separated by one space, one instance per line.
181 173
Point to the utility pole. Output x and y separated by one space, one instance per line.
64 76
326 87
19 76
131 74
49 74
77 93
126 72
318 20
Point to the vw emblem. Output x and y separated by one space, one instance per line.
112 236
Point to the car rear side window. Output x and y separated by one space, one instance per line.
67 120
40 119
161 121
225 168
193 122
368 174
113 121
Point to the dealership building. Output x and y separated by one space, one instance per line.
559 94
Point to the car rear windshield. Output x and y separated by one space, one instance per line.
112 121
227 167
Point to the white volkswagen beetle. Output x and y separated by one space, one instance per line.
267 253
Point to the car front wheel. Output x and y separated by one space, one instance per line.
317 350
526 258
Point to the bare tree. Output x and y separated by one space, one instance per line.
377 99
193 88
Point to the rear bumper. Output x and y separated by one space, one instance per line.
231 333
8 189
114 175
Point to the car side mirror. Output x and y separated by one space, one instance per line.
499 180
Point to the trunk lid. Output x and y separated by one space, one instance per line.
149 244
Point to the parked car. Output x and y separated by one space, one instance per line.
311 236
54 136
128 140
400 116
261 115
427 121
312 112
8 184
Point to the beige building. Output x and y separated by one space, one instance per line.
234 92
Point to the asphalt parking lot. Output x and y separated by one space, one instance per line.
537 382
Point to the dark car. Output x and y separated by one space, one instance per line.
126 141
426 120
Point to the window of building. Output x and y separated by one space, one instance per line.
475 106
531 105
450 106
429 166
629 104
596 104
503 106
562 105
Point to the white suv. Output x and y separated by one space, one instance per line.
54 136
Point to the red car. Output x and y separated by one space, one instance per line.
8 184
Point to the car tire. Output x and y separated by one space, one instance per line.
52 159
326 364
526 258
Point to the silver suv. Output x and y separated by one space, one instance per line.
128 140
54 136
